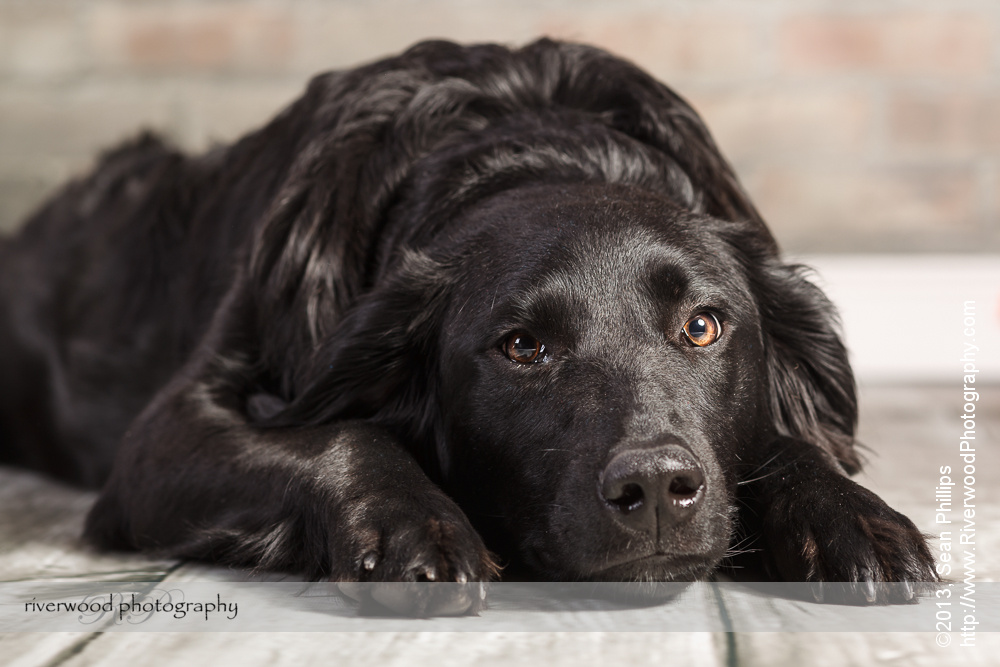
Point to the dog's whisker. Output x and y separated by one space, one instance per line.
757 479
737 552
760 467
739 546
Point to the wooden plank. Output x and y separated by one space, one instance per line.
40 526
34 649
428 647
833 649
391 649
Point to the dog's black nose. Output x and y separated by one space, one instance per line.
644 487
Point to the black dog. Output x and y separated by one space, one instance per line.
458 300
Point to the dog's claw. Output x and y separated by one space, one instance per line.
461 578
907 587
869 587
817 591
370 561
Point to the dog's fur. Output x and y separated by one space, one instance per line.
289 352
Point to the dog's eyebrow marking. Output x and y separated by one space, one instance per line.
550 307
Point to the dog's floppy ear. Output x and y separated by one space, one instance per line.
379 353
811 386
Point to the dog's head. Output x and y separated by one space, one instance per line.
584 332
601 371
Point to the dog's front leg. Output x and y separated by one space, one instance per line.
818 525
344 501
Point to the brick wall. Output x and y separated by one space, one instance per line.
855 124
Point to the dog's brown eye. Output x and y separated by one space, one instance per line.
522 348
702 329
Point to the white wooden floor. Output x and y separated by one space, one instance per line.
912 431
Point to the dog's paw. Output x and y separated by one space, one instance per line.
421 563
839 531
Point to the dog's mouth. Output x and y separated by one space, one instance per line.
651 579
657 568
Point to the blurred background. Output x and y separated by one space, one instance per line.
864 130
